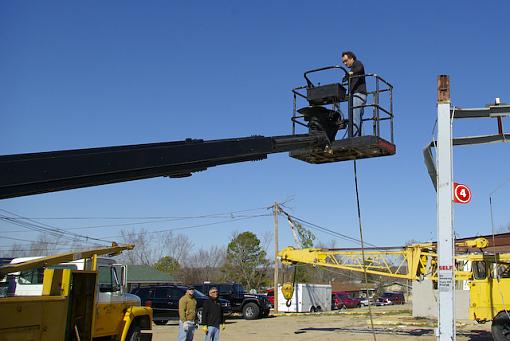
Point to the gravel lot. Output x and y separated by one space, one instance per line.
390 323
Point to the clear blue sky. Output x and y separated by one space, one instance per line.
100 73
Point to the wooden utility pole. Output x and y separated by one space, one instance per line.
275 280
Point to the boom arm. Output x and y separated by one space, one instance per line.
413 262
409 263
27 174
64 257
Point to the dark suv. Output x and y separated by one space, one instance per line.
164 301
252 306
388 298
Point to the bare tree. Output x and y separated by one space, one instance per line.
204 265
145 251
16 250
179 247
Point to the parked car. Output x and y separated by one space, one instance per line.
364 301
342 300
389 298
251 306
164 301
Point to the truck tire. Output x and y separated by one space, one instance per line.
501 327
134 333
251 311
199 315
319 308
160 322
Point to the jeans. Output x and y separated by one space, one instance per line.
185 336
357 113
213 334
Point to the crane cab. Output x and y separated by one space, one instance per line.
329 109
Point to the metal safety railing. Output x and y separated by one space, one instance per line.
374 101
379 102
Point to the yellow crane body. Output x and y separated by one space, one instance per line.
489 276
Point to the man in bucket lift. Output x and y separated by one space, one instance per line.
357 89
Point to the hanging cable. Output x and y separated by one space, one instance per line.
363 249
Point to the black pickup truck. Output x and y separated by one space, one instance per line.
164 301
252 306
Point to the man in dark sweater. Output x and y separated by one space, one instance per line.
212 316
357 88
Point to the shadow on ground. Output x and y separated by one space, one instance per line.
472 335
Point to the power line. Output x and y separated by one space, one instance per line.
202 225
59 233
211 215
232 214
49 249
45 228
30 241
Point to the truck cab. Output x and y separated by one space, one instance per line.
30 282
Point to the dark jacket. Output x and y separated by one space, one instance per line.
212 313
358 84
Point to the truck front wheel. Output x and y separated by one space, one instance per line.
501 327
251 311
200 312
134 333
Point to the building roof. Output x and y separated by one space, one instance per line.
147 274
500 243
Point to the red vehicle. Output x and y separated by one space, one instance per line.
270 296
342 300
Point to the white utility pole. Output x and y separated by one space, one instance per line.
275 278
445 235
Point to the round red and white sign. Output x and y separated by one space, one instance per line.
461 193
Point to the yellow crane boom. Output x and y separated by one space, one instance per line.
413 262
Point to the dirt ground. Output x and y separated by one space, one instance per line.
390 323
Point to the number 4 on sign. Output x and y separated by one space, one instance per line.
461 193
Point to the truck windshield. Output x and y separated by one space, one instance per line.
197 293
108 279
238 288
